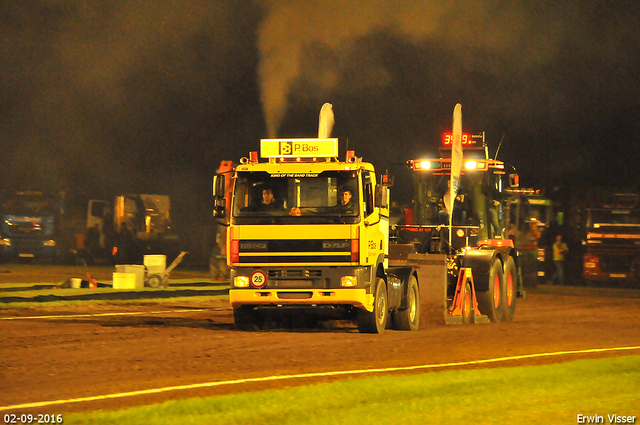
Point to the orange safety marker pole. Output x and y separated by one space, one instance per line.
457 304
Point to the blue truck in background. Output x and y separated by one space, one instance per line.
29 224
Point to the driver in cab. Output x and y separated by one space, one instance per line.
268 201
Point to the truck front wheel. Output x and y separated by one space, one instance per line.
245 318
409 318
375 321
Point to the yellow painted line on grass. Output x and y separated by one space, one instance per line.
67 316
308 375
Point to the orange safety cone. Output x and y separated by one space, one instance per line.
93 284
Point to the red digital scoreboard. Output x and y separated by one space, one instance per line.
467 139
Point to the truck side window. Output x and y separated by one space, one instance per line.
367 193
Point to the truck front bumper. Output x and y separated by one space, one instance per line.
13 251
356 297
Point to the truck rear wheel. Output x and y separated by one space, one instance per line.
490 302
409 318
375 321
510 295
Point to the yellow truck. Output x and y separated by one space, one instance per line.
308 235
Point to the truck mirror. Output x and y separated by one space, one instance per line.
218 186
219 208
382 196
386 180
514 180
219 202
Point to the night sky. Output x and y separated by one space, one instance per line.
104 97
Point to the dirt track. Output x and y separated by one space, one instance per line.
186 343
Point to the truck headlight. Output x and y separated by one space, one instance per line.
349 281
5 242
241 281
50 242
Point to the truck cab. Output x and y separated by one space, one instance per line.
145 217
309 233
611 241
29 226
528 216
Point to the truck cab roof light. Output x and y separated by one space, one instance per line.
351 156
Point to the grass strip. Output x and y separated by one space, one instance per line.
39 306
549 394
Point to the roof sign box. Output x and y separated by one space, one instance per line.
298 148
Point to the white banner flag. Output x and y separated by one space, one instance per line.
456 163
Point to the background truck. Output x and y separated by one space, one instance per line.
529 215
130 227
307 253
481 265
611 240
29 226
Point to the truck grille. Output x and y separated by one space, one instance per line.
296 245
294 273
306 251
616 263
267 259
25 229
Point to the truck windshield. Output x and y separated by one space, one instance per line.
29 205
619 216
299 196
477 202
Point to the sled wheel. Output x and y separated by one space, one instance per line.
154 280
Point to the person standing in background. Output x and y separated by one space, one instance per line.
559 250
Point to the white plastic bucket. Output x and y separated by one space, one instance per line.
76 283
135 269
124 281
155 264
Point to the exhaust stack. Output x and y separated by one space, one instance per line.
326 121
